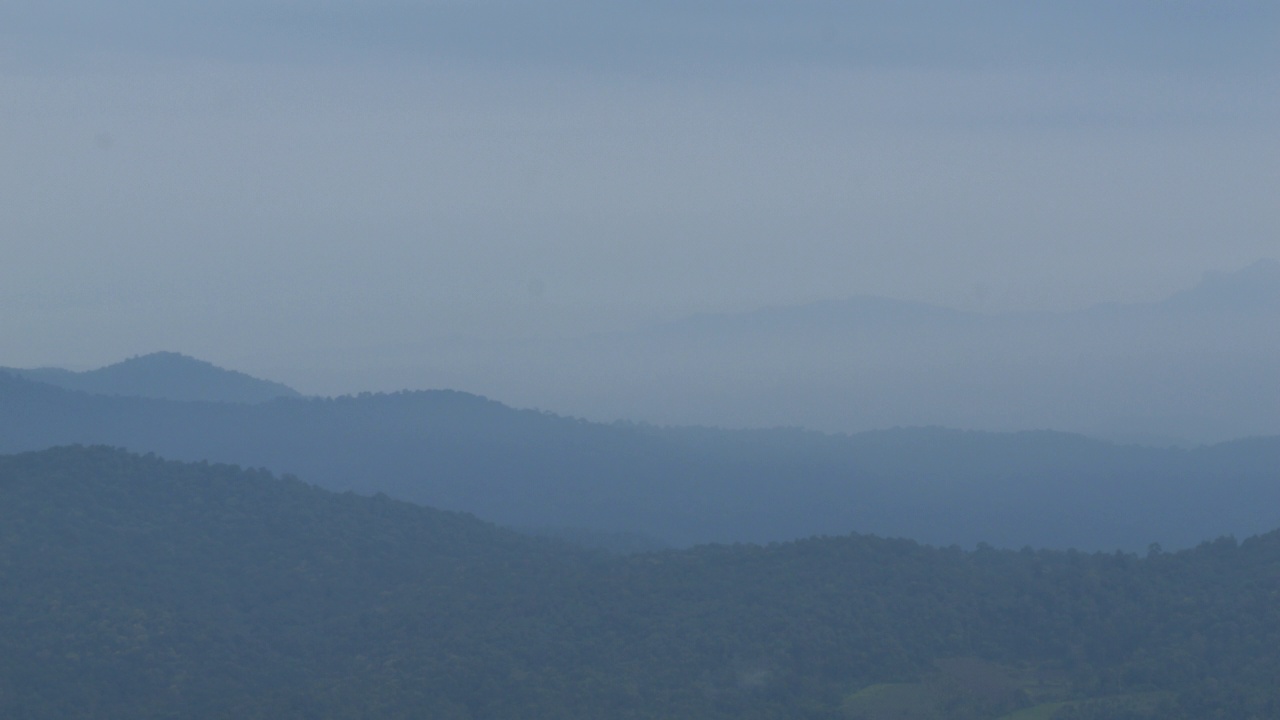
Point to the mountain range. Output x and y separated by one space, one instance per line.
1196 367
1210 353
679 485
877 575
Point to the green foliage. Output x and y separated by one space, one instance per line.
135 587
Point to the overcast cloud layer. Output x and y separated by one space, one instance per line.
257 182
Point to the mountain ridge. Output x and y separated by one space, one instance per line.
1251 289
1188 369
531 469
163 375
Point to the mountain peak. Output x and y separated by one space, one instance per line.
165 375
163 358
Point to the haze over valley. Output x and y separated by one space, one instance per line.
1194 367
566 360
645 485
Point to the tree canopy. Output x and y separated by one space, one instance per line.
138 587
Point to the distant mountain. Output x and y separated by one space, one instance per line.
138 588
1254 290
164 375
529 469
1197 367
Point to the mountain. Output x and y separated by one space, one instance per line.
530 469
141 588
1197 367
165 375
1253 290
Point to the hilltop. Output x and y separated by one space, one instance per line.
163 375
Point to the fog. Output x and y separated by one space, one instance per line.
346 196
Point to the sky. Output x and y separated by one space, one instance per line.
251 181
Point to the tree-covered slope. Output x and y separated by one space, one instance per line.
681 485
166 375
135 587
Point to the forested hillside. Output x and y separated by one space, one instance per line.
536 470
135 587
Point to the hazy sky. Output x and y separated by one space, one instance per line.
228 179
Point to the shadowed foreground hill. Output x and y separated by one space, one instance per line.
683 485
134 587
